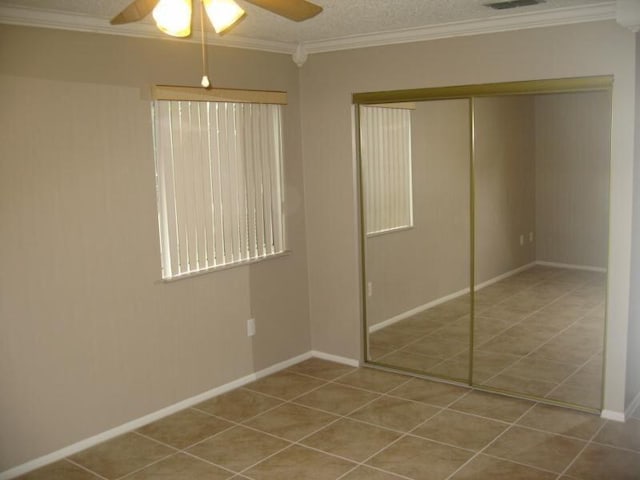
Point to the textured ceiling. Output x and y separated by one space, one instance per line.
340 18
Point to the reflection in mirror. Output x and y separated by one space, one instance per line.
541 239
415 166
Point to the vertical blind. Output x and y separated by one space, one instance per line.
385 150
219 183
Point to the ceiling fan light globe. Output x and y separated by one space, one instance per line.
173 17
223 13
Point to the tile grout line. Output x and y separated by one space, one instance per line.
522 464
539 430
616 447
344 475
584 364
129 474
586 445
363 462
67 459
479 452
227 469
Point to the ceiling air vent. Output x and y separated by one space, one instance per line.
513 4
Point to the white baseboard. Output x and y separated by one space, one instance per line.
446 298
122 429
335 358
157 415
279 366
416 310
502 276
611 415
588 268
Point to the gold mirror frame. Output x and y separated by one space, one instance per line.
469 92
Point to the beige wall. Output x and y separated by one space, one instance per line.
410 268
633 344
504 184
572 145
90 338
328 80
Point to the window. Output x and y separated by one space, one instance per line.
385 151
219 183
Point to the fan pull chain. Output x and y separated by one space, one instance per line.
205 67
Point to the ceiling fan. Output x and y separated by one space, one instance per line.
174 16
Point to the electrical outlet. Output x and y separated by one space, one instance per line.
369 289
251 327
521 240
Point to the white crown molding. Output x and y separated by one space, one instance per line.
628 14
545 18
17 15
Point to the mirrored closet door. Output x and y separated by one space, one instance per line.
499 189
541 244
415 164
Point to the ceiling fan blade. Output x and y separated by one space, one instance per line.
137 10
296 10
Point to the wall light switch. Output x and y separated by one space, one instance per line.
530 237
521 240
251 327
369 289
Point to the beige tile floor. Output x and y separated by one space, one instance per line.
538 333
320 420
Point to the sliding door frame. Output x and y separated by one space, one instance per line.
468 92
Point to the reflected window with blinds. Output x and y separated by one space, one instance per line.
219 184
385 150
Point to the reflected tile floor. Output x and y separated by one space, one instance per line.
539 332
319 420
